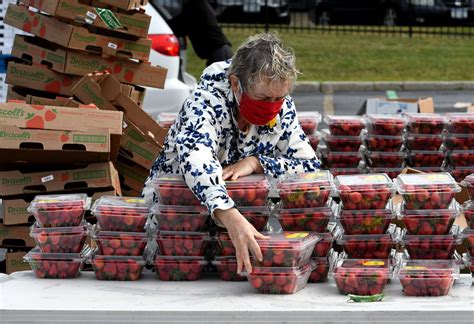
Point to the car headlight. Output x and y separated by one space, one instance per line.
426 3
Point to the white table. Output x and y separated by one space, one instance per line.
24 298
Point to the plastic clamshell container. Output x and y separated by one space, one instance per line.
225 244
391 172
251 190
422 142
59 210
460 173
389 125
427 190
370 221
340 159
428 277
309 121
305 219
116 267
468 239
324 245
280 280
60 239
287 249
342 143
257 216
364 191
314 140
461 123
303 190
181 218
54 265
425 123
369 246
431 247
321 269
383 143
171 189
182 243
179 268
429 221
459 141
469 183
345 125
343 171
121 243
461 158
385 159
425 158
166 119
468 208
227 268
123 214
363 277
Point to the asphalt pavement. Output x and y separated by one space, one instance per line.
349 102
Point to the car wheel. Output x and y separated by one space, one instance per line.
323 18
390 17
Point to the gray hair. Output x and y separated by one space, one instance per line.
263 57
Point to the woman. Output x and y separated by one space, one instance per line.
239 120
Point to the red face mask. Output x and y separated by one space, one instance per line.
259 112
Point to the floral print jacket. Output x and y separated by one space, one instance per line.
205 137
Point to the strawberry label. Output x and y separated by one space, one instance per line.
109 18
373 263
135 200
297 235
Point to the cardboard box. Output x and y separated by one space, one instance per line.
138 147
57 102
14 262
131 193
13 94
124 4
30 96
21 147
15 236
396 106
75 37
102 90
65 119
131 175
38 51
134 23
38 77
14 184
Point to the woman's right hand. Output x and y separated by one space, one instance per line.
243 236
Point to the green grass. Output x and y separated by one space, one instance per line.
336 57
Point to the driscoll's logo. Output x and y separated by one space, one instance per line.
15 136
12 113
36 76
17 210
94 64
14 182
17 15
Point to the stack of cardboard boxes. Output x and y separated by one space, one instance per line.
74 90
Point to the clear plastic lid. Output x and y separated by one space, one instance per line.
453 236
119 258
282 271
344 171
460 117
179 210
387 212
257 210
469 181
36 255
391 172
169 180
333 120
115 204
329 137
289 240
383 154
250 181
425 118
173 259
321 178
35 230
364 267
58 202
385 119
120 235
408 183
392 235
183 235
326 210
429 268
357 182
326 153
310 115
166 117
453 211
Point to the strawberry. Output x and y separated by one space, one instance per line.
35 122
50 115
171 268
120 268
27 26
53 87
129 76
283 281
117 243
320 273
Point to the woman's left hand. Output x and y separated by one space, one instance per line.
244 167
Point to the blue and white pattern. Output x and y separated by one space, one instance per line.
205 137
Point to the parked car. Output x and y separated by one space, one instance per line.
252 11
391 12
169 53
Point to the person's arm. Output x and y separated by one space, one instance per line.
293 153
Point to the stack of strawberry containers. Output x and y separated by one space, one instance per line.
459 141
365 214
428 211
182 220
383 149
120 237
306 205
424 141
60 233
309 121
341 154
468 208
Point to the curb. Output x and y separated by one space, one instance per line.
332 86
